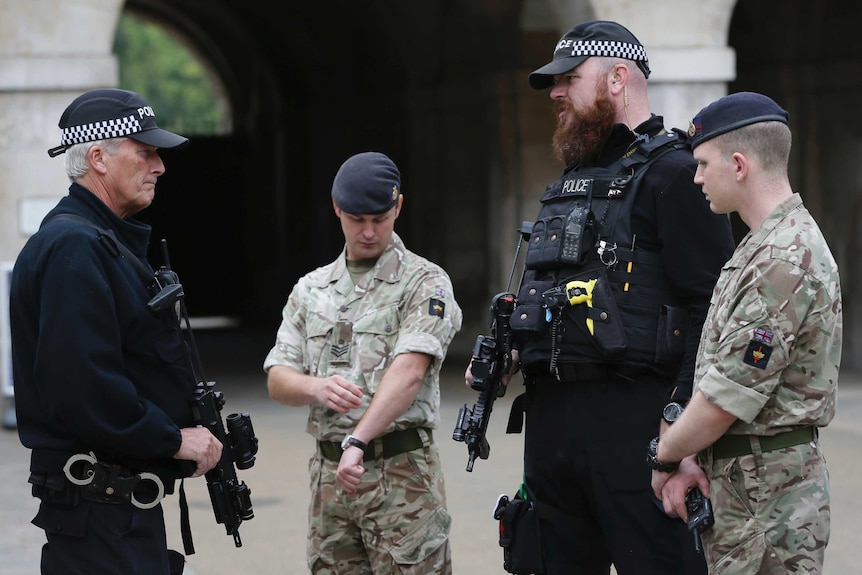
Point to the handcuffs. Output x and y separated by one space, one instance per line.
101 472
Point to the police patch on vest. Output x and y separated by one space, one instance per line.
436 307
579 187
757 354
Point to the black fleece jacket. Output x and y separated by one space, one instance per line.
93 368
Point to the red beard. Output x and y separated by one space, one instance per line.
580 135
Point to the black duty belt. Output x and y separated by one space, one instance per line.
729 446
383 447
84 477
568 371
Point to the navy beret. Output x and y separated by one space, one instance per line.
732 112
596 38
367 183
111 113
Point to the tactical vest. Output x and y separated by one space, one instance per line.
590 293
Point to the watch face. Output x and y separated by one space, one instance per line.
672 411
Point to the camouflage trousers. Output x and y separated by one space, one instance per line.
395 524
771 512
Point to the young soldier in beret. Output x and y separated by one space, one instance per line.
767 366
96 372
361 342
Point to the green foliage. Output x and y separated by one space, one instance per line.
168 76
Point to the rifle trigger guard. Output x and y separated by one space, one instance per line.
147 476
67 469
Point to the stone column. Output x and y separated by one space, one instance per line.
686 44
50 52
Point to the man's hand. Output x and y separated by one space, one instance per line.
516 365
336 393
672 488
350 470
200 446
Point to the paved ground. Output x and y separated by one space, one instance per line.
274 541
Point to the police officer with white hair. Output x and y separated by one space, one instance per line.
101 384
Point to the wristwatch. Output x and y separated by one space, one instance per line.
351 441
654 463
672 411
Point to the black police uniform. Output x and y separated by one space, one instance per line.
626 253
96 371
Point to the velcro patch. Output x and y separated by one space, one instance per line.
757 354
436 307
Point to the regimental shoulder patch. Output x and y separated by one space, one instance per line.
436 307
757 354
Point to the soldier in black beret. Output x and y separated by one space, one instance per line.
768 363
361 343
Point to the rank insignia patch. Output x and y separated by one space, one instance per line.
436 307
757 354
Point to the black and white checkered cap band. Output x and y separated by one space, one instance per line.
607 48
104 130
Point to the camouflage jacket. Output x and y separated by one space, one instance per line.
771 344
331 326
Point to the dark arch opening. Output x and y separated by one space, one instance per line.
310 84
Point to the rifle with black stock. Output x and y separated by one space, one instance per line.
490 362
230 497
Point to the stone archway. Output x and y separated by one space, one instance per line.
807 59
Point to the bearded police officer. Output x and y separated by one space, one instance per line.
621 261
101 384
361 342
768 363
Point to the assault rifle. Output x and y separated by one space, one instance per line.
231 498
490 362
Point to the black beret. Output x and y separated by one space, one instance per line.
597 38
731 112
367 183
111 113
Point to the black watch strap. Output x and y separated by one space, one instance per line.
655 464
351 441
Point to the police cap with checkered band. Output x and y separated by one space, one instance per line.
596 38
733 112
112 113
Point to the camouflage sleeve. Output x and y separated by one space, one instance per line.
431 316
765 309
289 349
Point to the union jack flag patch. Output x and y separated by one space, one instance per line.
763 335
